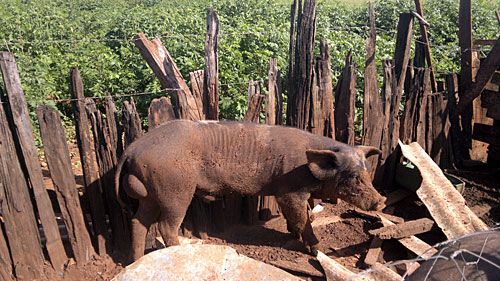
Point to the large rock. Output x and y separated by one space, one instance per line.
200 262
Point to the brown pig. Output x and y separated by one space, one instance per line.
165 168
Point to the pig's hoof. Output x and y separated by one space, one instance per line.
314 249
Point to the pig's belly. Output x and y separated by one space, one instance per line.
234 177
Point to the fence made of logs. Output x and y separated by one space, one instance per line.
411 105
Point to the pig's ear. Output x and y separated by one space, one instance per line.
368 151
321 163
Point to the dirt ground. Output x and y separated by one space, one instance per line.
343 233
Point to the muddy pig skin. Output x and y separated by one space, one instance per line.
165 168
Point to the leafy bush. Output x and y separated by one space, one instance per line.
49 37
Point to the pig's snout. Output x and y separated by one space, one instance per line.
379 205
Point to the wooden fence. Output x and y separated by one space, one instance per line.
94 222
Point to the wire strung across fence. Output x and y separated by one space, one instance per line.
169 35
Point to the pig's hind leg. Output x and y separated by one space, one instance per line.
146 214
172 213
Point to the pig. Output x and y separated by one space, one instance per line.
165 168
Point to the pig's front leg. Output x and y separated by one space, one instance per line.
294 208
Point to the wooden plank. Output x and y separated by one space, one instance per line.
390 126
59 163
494 112
466 74
336 271
375 215
302 268
345 96
426 44
487 133
106 160
23 134
403 48
488 67
405 229
455 126
131 121
302 77
405 132
160 111
165 69
87 159
372 107
373 253
19 222
445 204
394 79
211 74
414 244
495 79
421 120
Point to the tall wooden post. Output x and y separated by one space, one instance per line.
211 74
372 107
274 102
301 78
57 154
466 78
87 159
23 134
345 97
427 47
19 222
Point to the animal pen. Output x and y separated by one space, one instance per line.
444 117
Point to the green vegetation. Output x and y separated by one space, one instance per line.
49 37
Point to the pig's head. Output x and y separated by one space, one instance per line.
343 173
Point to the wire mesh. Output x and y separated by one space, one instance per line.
456 254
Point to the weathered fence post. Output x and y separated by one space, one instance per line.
255 100
322 119
160 111
301 69
274 102
165 69
385 173
19 222
196 79
23 134
372 107
87 158
106 161
345 97
455 128
426 44
131 122
59 163
274 98
211 73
